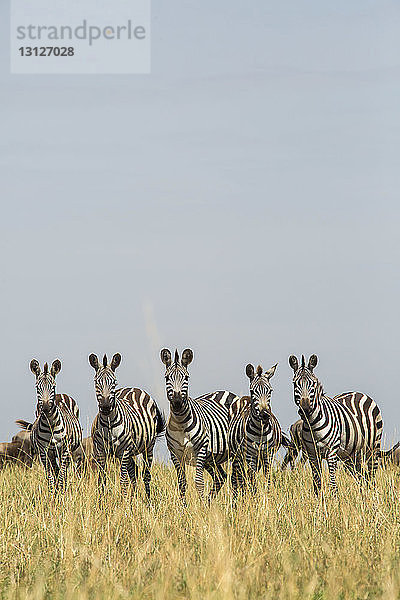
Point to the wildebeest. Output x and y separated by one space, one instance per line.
19 451
391 456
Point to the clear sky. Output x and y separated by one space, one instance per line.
242 200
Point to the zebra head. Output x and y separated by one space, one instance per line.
260 391
177 376
105 381
45 384
307 387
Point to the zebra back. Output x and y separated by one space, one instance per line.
66 402
221 397
142 402
363 411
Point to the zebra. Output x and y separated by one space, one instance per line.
126 425
197 428
56 432
347 427
296 446
254 432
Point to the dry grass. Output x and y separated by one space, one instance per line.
282 544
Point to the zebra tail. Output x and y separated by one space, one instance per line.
24 424
160 420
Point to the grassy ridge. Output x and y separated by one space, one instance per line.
284 543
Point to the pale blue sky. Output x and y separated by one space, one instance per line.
242 200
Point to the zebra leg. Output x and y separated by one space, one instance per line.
218 475
235 481
332 460
54 465
147 462
125 458
100 460
133 471
62 479
180 471
238 477
353 467
290 458
251 479
267 466
316 472
253 465
48 468
303 458
199 477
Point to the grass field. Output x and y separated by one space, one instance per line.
284 543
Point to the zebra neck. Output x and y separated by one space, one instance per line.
106 418
182 411
258 426
314 416
51 417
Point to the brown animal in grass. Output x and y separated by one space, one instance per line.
19 451
14 452
391 456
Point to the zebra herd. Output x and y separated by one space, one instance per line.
204 432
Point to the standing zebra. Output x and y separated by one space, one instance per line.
56 431
127 424
346 427
296 446
197 429
254 432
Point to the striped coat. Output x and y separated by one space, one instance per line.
197 428
254 432
296 446
127 425
56 432
347 427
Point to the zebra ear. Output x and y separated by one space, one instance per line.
271 372
94 361
293 362
55 367
187 357
116 361
250 372
34 367
165 356
313 361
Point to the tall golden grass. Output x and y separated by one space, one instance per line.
282 544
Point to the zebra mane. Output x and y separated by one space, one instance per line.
259 370
176 358
105 360
320 389
45 368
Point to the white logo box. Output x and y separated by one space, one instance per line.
106 37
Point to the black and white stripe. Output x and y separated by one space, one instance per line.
346 427
56 432
127 424
296 446
254 432
197 428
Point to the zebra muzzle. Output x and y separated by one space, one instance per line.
305 404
